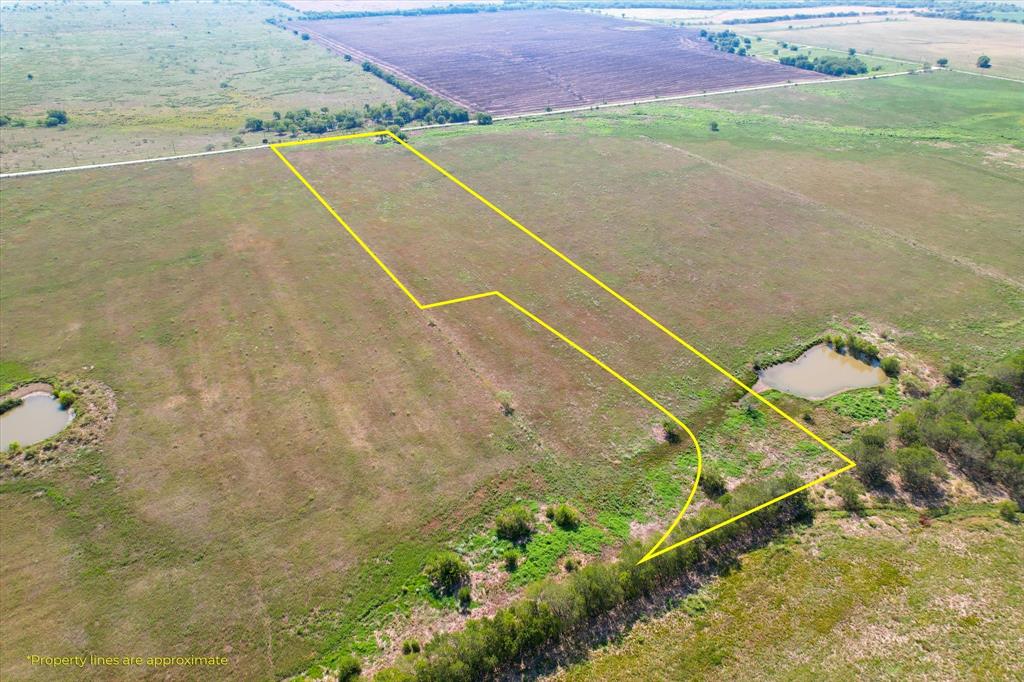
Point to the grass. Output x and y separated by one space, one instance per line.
157 79
919 39
877 598
292 440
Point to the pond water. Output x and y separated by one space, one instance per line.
37 418
820 373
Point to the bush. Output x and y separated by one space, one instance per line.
349 668
1008 511
505 402
942 61
984 61
919 468
956 373
10 404
914 387
14 447
712 483
446 572
305 36
891 366
514 523
996 407
465 596
714 126
511 559
907 430
66 398
849 490
567 517
571 564
393 675
484 119
411 646
874 462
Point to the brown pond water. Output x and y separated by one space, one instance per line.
820 373
37 418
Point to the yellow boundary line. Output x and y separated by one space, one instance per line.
657 549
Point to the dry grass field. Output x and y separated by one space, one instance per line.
293 437
717 16
531 60
140 81
917 38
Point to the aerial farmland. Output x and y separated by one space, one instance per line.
401 341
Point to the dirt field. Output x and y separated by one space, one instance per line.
526 61
918 38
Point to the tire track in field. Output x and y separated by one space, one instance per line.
953 259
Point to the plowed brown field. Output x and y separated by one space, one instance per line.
515 62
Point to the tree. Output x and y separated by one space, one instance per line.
956 373
851 52
446 572
484 119
514 523
712 483
253 125
349 668
874 462
942 61
891 366
567 517
305 36
984 62
55 117
714 126
849 490
919 469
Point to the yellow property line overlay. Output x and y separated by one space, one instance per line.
657 549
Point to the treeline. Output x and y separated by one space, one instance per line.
833 66
52 119
554 608
798 17
727 41
973 11
424 107
973 423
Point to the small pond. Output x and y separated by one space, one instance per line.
820 373
37 418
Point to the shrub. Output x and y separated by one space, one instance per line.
484 119
1008 510
914 387
956 373
571 564
919 468
66 398
514 523
349 668
714 126
446 572
511 559
465 596
393 675
411 646
567 517
849 490
996 407
984 61
907 430
891 366
873 461
712 483
10 404
671 432
14 447
305 36
505 401
942 61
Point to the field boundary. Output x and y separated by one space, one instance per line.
506 117
658 548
